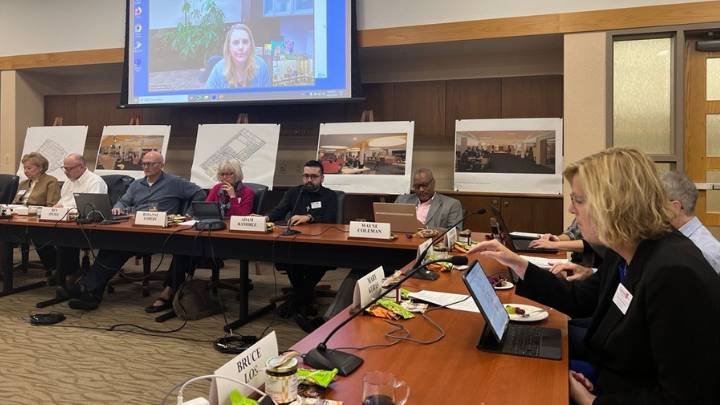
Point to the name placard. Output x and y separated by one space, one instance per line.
372 230
248 223
151 218
421 248
247 367
368 287
450 238
55 214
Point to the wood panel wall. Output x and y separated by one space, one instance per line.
433 105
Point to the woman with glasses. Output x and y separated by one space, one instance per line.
655 301
240 66
234 197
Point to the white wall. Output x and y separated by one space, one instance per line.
39 26
398 13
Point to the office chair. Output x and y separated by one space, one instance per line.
321 290
230 284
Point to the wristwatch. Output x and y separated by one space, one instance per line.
311 218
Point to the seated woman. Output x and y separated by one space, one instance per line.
39 189
654 302
234 199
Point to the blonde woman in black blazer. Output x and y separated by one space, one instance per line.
661 345
39 188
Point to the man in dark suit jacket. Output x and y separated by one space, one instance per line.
433 209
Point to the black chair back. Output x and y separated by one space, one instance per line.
340 219
8 187
117 186
259 190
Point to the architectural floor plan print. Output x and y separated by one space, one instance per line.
240 147
54 153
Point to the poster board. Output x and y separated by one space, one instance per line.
123 146
509 155
54 143
255 146
367 157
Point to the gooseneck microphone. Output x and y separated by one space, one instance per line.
288 230
426 274
323 358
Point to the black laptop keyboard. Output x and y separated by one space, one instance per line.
522 340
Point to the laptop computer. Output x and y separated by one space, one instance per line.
401 217
96 206
514 242
499 335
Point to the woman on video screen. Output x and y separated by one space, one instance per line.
240 67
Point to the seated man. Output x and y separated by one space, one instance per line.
307 203
79 180
157 190
433 209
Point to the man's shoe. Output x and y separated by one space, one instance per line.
86 301
70 291
309 324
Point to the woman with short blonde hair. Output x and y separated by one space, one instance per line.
652 303
39 188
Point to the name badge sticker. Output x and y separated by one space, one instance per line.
622 298
315 205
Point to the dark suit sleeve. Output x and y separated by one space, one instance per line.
284 206
577 299
683 339
329 214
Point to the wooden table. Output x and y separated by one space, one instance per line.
317 244
451 371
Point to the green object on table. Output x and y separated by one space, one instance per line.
322 378
404 293
395 307
236 398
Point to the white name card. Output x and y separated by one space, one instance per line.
368 288
248 367
151 218
55 214
372 230
421 248
450 238
248 223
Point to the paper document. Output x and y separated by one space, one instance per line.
528 235
452 301
542 262
190 222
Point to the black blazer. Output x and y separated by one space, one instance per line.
666 348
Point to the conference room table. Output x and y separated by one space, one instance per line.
452 370
317 244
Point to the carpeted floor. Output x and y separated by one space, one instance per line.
74 363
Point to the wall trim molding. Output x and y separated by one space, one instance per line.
547 24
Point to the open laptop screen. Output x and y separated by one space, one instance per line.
487 300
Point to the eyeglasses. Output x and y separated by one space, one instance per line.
311 176
225 174
149 164
418 186
576 199
69 168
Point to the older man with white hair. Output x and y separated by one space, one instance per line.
683 195
79 180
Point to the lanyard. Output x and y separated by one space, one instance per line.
622 271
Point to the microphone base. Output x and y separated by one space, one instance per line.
328 359
289 232
425 274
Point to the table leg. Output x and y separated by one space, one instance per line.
6 256
245 314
